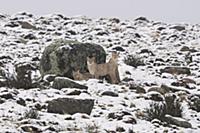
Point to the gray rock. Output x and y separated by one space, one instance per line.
63 82
173 89
178 27
176 70
30 128
161 90
109 93
3 82
155 96
27 25
178 121
129 119
70 106
7 95
62 57
23 76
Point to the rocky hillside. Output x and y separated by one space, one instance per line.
158 66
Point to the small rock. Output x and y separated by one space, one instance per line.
109 93
118 48
178 121
30 128
63 82
126 79
155 96
12 24
138 89
6 96
178 27
161 90
176 70
118 115
120 129
74 92
1 101
3 82
142 19
21 102
129 120
185 48
23 77
27 25
30 37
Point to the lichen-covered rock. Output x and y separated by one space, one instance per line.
62 57
70 106
63 82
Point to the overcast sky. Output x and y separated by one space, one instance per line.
162 10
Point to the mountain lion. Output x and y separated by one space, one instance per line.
110 68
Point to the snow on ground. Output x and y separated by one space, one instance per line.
158 44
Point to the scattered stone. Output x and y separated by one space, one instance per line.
146 51
109 93
3 82
155 96
63 82
176 70
102 33
118 48
178 121
126 79
6 96
71 32
161 90
23 77
178 27
138 88
27 25
142 19
30 129
118 115
30 36
70 106
21 101
173 89
12 24
115 20
185 48
120 129
1 101
74 92
129 119
194 102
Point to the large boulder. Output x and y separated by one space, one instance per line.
62 57
70 106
